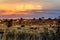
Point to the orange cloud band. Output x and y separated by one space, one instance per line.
19 7
13 8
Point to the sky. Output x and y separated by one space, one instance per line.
23 8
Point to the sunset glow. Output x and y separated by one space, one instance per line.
29 8
10 9
19 7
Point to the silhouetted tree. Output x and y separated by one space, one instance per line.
49 18
21 18
34 18
40 19
43 17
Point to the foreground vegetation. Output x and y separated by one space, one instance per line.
30 34
47 29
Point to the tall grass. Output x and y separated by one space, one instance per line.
29 34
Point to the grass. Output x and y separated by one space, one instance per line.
28 34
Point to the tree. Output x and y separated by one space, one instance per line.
21 18
34 18
49 18
43 17
40 19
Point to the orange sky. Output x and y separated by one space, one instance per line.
12 8
19 6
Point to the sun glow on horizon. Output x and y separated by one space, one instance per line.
15 8
19 7
25 7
